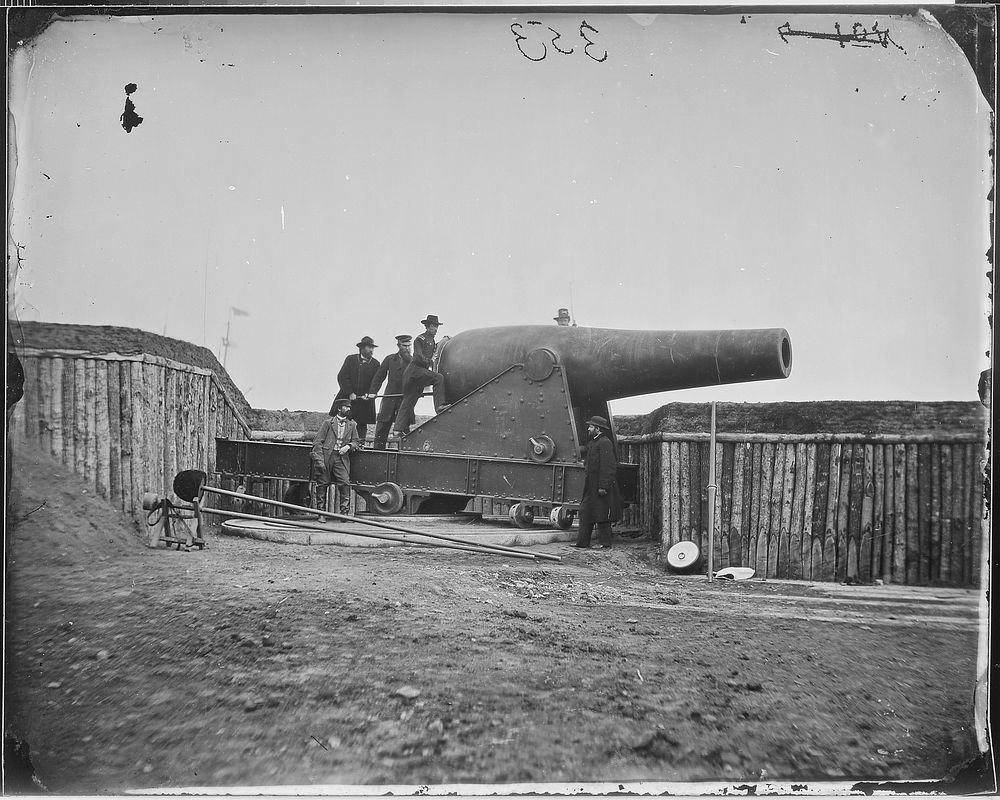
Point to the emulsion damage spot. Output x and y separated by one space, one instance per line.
129 118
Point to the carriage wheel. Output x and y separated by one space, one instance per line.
523 515
387 498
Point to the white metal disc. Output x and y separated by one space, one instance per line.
683 555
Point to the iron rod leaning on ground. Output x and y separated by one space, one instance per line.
387 536
496 548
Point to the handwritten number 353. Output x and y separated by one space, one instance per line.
534 48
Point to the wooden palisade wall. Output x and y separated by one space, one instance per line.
126 424
905 507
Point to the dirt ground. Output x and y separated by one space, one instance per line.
254 663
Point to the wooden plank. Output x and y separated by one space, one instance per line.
764 523
697 496
976 511
821 505
213 422
855 496
169 422
947 513
899 514
745 529
68 413
830 549
56 387
867 512
913 574
844 549
785 528
797 510
725 462
675 491
774 511
113 400
684 532
934 554
141 431
753 532
90 426
204 437
738 506
43 403
879 549
103 428
717 530
959 539
79 415
808 505
158 404
665 483
178 430
126 445
924 513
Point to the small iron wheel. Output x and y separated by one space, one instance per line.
523 515
562 517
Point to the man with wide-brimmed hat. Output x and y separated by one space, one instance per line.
354 379
392 368
562 317
602 503
418 374
331 452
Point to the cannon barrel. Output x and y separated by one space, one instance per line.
603 364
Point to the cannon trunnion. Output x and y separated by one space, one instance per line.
517 400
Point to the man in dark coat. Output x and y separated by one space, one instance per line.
392 368
331 452
602 503
354 379
418 374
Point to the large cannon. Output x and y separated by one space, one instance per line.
511 415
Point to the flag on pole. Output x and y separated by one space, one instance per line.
239 312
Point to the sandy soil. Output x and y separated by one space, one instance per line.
257 663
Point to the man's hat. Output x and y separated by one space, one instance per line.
563 314
366 340
431 320
404 339
599 422
340 401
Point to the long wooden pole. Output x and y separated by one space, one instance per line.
712 489
496 548
387 536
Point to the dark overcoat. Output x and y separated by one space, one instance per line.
392 368
354 378
601 463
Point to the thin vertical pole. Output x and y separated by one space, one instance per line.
712 489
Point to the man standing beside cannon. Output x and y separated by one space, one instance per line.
393 367
354 379
601 503
418 374
331 452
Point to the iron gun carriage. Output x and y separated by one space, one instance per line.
511 415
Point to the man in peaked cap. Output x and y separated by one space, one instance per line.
602 503
354 379
392 368
418 374
562 318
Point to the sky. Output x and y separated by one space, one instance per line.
341 175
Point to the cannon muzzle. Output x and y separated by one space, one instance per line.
604 364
